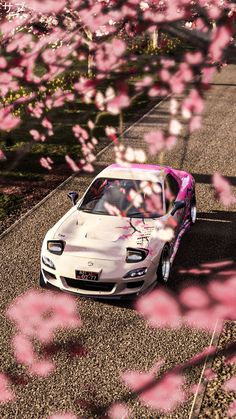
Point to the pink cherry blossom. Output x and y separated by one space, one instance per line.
194 58
207 74
95 33
3 63
86 88
40 318
155 141
36 110
153 203
145 82
214 11
220 39
157 91
165 234
29 310
195 271
72 163
209 374
174 106
112 209
164 395
46 162
118 411
224 291
86 166
230 385
7 120
80 133
170 142
217 265
204 318
91 125
44 6
37 136
231 359
194 297
2 156
210 350
195 123
193 104
6 394
108 55
160 309
136 380
41 368
23 349
120 102
165 75
176 83
47 124
196 389
223 190
232 410
111 133
175 127
134 155
8 27
167 62
135 197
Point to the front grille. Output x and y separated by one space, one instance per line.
89 285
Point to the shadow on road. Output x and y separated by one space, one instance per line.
223 84
205 178
211 239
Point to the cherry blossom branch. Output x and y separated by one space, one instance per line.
156 383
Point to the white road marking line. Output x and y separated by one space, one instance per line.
198 397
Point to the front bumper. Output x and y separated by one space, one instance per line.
103 288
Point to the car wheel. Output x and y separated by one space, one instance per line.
164 267
193 211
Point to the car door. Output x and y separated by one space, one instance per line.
172 188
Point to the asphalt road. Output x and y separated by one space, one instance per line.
113 336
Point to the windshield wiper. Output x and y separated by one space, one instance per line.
147 214
133 214
92 211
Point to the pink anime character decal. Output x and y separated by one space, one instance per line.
122 236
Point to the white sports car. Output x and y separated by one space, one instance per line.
121 237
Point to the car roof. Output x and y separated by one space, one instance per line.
134 171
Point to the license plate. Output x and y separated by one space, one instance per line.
86 276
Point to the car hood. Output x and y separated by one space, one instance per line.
92 235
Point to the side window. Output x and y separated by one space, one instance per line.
171 191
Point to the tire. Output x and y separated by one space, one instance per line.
193 211
42 283
164 267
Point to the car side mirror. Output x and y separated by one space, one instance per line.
73 196
177 205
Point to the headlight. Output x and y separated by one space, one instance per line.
48 262
135 255
56 246
136 272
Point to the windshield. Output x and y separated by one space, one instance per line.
123 197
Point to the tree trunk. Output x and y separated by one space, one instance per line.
154 39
